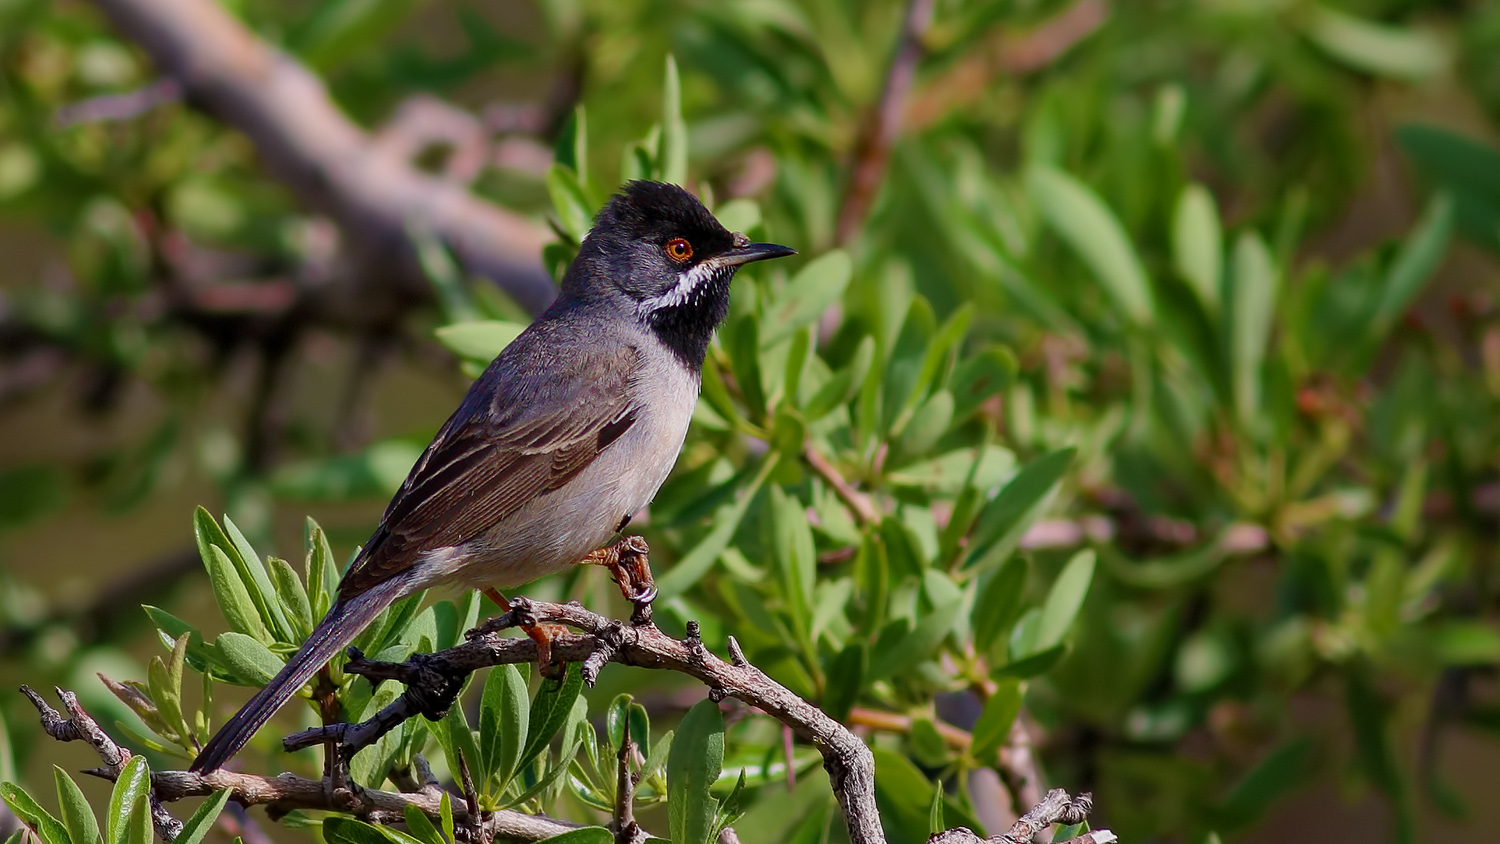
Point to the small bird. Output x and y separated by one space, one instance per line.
571 429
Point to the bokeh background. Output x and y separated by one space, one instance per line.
1241 256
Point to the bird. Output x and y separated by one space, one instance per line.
570 430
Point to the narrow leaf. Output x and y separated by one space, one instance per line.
1087 225
993 727
1198 244
77 815
202 820
1005 519
131 789
693 764
1065 599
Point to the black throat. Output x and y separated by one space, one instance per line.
687 328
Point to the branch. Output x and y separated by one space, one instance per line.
848 761
863 508
330 163
873 149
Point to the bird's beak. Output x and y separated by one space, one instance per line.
744 252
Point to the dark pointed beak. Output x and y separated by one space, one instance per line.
744 253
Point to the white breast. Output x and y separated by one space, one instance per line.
558 529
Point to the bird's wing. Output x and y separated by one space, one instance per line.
514 438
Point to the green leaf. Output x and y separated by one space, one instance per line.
693 764
322 571
420 826
845 384
337 31
807 296
253 570
202 820
978 378
1252 306
1395 52
293 597
478 340
344 830
582 835
739 215
77 815
549 712
744 360
1065 599
138 830
674 138
171 628
250 660
726 521
1021 502
131 790
1420 254
572 147
928 424
570 202
455 737
1031 665
1465 168
1282 771
916 645
982 467
999 603
796 557
1198 244
1087 225
233 598
49 828
503 713
846 676
992 730
904 796
903 372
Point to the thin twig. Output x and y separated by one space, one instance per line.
864 509
120 106
80 726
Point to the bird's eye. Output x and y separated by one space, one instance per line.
679 250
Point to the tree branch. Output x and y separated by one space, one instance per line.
849 762
331 164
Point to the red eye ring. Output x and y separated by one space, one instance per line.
679 250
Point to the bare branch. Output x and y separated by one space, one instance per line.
330 163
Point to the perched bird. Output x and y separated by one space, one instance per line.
570 430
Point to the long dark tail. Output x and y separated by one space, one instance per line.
337 629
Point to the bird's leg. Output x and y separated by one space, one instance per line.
627 563
542 634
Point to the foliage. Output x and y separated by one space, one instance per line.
1095 300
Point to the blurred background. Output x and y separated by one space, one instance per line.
1240 255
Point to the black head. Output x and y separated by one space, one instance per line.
657 245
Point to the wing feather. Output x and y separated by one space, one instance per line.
531 435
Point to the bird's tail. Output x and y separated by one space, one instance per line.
337 629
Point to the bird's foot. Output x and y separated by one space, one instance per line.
542 634
629 566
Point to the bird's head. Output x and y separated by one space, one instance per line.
657 245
